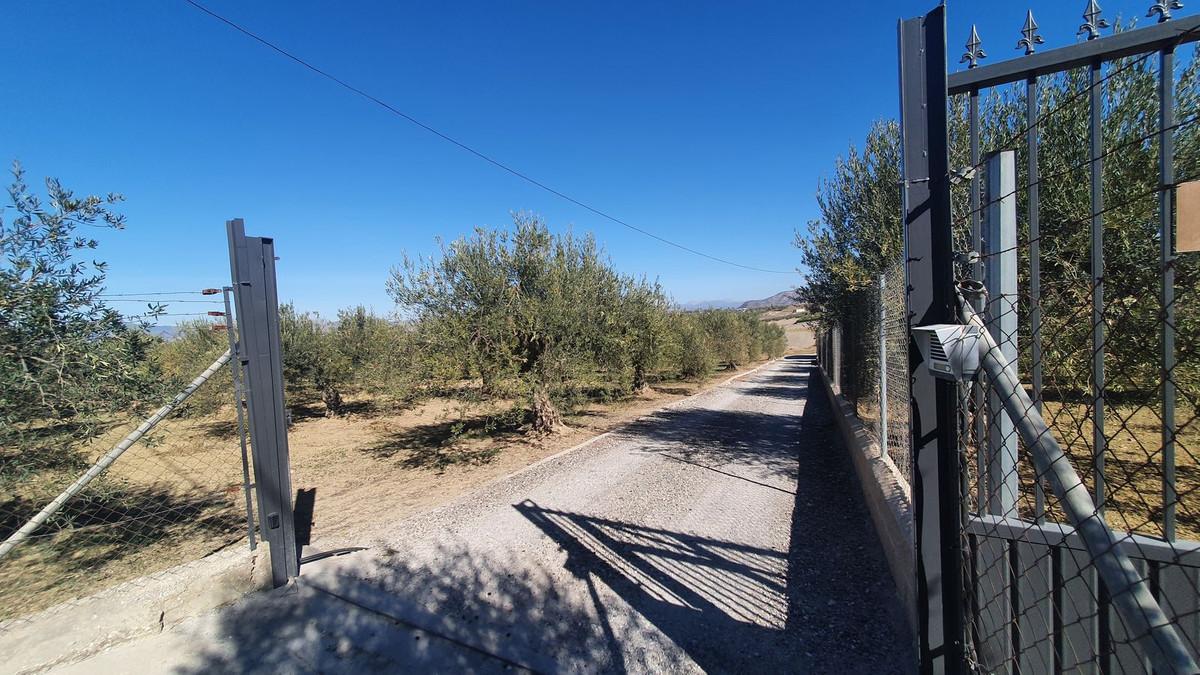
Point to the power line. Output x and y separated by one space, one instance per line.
464 146
167 301
147 293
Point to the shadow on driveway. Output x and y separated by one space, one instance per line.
827 605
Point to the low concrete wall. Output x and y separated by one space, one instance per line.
76 629
888 499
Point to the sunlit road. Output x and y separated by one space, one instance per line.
723 534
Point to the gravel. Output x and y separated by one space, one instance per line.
725 533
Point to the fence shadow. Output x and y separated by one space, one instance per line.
617 596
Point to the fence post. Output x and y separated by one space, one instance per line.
1000 316
931 300
239 399
998 447
252 268
837 357
883 392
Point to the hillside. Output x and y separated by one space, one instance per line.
780 299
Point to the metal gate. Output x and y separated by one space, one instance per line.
1057 493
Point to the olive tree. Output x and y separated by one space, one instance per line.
311 361
67 359
527 306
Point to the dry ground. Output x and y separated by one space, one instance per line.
800 338
179 497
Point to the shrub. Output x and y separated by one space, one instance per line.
311 360
179 360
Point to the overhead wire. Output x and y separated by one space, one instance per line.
148 293
477 153
165 302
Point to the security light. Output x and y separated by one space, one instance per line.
951 351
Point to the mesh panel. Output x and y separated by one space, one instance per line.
866 357
1079 430
174 496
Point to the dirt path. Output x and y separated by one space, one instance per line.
723 534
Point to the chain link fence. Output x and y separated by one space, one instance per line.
1079 478
866 357
139 495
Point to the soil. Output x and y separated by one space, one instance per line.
178 496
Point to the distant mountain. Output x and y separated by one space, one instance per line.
165 332
780 299
708 304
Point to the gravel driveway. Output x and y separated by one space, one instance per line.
723 534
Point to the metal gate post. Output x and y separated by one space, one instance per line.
1000 316
998 446
931 300
252 268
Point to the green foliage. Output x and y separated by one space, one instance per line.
526 305
312 361
66 358
859 235
179 360
539 317
645 325
382 355
691 348
859 232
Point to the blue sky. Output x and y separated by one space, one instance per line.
709 123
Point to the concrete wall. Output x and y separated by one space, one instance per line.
888 497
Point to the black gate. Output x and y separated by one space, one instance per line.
1049 182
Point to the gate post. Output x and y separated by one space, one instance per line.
998 446
1000 278
252 268
931 300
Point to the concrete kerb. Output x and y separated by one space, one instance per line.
888 497
78 629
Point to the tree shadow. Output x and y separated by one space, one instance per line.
680 390
441 444
781 392
107 534
306 409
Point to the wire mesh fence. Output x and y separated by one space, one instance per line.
866 356
118 511
1086 558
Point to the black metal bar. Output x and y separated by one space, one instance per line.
931 300
981 473
1099 442
1139 41
1166 170
1096 133
1035 268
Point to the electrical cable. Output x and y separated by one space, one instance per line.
490 160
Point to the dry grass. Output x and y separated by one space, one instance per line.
1133 464
179 497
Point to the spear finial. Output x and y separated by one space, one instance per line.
1092 21
1029 32
1163 9
974 50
